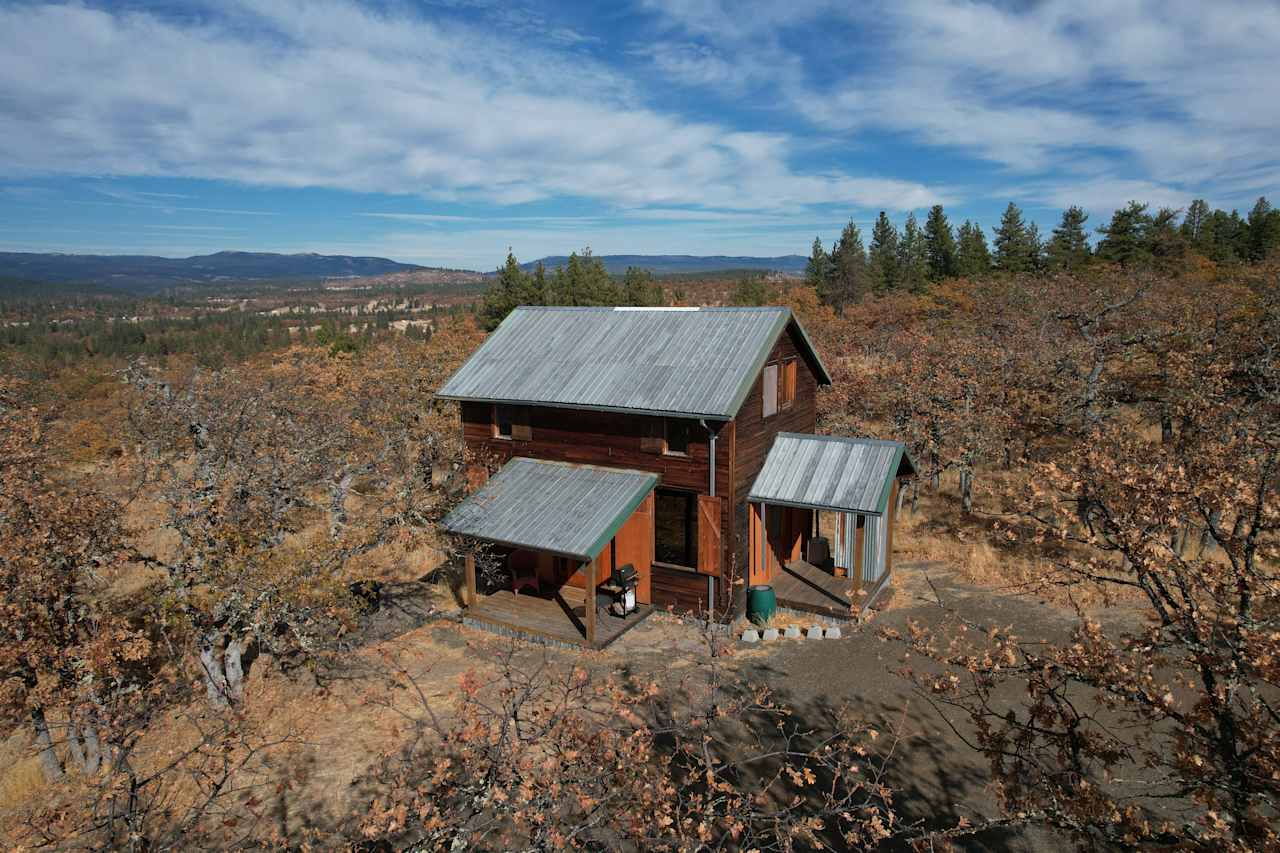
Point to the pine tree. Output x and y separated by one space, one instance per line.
1068 248
1013 244
1197 228
940 243
973 256
882 258
1126 239
512 288
1264 230
913 257
584 281
817 271
1035 249
1165 242
1222 237
539 286
752 291
639 288
1237 231
847 273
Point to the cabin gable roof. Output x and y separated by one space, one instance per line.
686 362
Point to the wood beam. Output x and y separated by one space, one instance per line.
589 600
469 561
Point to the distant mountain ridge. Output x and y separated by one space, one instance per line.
133 271
675 264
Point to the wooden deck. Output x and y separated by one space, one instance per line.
556 619
803 586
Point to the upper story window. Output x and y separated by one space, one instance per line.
787 384
503 421
512 422
770 390
678 436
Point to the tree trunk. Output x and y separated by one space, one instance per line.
215 679
966 490
1178 542
234 669
338 490
92 747
1166 427
902 496
73 745
49 762
915 496
1206 536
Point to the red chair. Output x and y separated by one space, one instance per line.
525 577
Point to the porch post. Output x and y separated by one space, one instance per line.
764 543
470 562
590 572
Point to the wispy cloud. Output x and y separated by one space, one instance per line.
1171 96
328 93
171 208
200 228
497 217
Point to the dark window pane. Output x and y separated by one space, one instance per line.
675 528
679 433
502 421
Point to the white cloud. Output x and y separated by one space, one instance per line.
1171 95
330 94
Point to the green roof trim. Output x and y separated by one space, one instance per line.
806 346
840 473
883 503
622 518
561 508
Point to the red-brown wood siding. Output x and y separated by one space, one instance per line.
754 433
593 438
682 591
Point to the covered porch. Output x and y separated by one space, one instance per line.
558 617
838 571
573 549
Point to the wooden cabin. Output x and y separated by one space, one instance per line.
693 398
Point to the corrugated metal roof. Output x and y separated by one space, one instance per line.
568 509
693 362
830 472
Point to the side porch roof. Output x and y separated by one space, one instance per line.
831 472
559 507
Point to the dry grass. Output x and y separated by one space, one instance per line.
975 547
21 779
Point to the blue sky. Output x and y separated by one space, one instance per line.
443 132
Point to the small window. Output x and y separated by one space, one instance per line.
770 390
787 385
679 432
503 420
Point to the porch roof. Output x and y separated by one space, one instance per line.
567 509
831 472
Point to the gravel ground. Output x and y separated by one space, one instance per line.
938 779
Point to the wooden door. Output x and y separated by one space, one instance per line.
756 564
635 547
709 547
